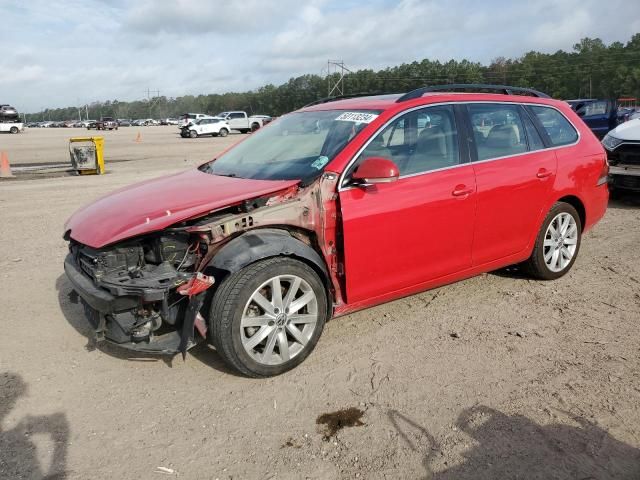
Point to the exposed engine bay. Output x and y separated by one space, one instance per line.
146 293
147 272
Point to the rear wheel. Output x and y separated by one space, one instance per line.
13 130
255 126
223 132
267 318
557 243
193 134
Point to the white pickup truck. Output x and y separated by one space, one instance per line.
240 121
11 127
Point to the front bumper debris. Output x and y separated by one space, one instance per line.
114 319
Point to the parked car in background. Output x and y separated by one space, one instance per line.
599 115
265 118
623 152
187 118
169 121
387 196
107 123
239 120
124 122
11 127
206 126
8 114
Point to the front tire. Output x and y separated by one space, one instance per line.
267 318
557 243
193 134
13 130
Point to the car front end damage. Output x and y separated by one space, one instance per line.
146 293
623 156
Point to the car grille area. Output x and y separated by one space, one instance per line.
626 154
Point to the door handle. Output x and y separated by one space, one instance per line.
544 173
461 191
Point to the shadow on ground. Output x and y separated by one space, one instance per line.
73 311
18 453
513 446
620 199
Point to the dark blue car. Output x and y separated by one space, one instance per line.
601 116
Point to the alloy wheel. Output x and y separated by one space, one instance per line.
560 242
279 320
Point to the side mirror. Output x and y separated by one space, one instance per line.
375 170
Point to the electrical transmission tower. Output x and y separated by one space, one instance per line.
151 101
336 86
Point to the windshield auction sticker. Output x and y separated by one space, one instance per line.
357 117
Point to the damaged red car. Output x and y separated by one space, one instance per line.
344 204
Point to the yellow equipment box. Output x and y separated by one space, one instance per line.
87 159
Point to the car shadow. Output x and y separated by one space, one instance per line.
512 271
514 446
18 453
73 311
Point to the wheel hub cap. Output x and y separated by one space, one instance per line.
281 320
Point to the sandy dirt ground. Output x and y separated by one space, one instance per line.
496 377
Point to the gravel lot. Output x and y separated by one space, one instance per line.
494 377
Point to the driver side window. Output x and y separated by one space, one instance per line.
417 142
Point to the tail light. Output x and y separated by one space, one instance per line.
604 173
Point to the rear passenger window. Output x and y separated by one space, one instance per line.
498 130
560 130
535 142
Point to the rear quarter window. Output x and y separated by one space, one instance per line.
559 129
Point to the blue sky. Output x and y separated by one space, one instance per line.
72 52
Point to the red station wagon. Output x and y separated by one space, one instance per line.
344 204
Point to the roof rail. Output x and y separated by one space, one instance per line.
339 97
505 89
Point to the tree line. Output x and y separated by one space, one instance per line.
591 69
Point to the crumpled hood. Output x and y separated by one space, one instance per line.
156 204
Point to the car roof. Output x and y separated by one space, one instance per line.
388 102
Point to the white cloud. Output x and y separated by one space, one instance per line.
74 51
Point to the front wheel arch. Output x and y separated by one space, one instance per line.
263 243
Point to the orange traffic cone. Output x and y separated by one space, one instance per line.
5 168
138 138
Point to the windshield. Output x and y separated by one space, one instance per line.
294 147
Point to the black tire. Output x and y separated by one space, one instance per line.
536 265
229 302
255 126
223 132
13 130
193 134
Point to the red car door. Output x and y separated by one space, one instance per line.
420 227
514 176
